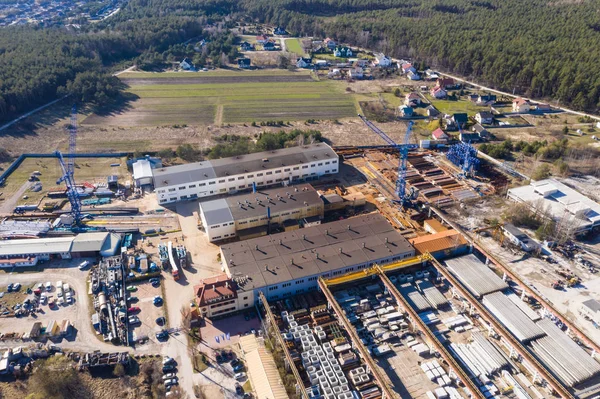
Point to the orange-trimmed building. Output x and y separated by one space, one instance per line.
216 296
441 245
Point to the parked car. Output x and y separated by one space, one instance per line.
48 286
234 362
155 281
40 286
133 299
134 320
59 284
61 302
162 335
84 264
59 292
238 389
68 298
239 367
171 382
168 360
133 309
131 288
16 287
161 321
168 368
239 376
43 298
9 288
169 376
157 300
66 288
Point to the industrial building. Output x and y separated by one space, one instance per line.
142 173
560 201
30 251
254 214
445 244
230 175
290 263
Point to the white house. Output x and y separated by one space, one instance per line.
413 75
412 99
521 105
302 62
383 61
242 172
186 64
484 117
438 92
356 73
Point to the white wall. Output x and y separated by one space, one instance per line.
232 184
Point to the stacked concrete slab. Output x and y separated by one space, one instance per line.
476 276
513 318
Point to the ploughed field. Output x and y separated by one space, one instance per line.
204 98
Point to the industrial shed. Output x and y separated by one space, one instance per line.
441 245
567 360
476 276
509 314
414 298
432 294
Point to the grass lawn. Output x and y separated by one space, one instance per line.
93 170
294 46
270 95
12 298
458 106
247 387
199 365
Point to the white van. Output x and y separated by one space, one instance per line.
84 264
59 292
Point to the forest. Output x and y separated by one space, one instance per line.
547 49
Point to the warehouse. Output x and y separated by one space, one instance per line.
230 175
473 274
509 314
290 263
560 201
142 173
30 251
442 245
227 217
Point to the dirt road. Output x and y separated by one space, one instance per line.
8 205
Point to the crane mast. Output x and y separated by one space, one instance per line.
68 168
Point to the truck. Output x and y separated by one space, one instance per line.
182 255
174 268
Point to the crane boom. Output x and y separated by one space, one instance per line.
403 155
68 170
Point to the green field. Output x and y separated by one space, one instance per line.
228 97
293 46
456 106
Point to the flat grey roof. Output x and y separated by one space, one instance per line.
208 170
216 212
592 304
512 229
313 250
36 246
89 242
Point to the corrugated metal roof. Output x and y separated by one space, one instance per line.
442 241
512 317
35 246
216 212
474 275
142 169
432 294
262 370
89 242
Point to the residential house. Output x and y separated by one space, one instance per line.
356 72
486 99
334 73
484 117
412 99
303 62
413 76
460 119
407 67
321 64
521 105
321 50
439 135
473 97
382 61
446 83
342 52
406 111
245 46
329 43
262 39
432 111
543 107
449 122
481 131
279 31
519 238
438 92
431 74
468 137
269 46
243 63
186 64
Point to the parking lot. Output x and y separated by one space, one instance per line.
234 326
148 311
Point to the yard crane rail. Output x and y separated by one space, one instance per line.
279 339
498 327
383 383
475 392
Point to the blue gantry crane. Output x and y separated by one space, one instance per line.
68 170
403 156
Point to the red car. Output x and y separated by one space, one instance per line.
133 309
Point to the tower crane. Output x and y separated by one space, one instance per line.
403 156
68 170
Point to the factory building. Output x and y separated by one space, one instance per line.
561 201
230 175
254 214
30 251
290 263
442 245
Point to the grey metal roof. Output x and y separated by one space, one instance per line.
256 162
592 304
512 229
216 212
509 314
35 246
474 275
89 242
313 250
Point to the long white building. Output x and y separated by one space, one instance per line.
230 175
